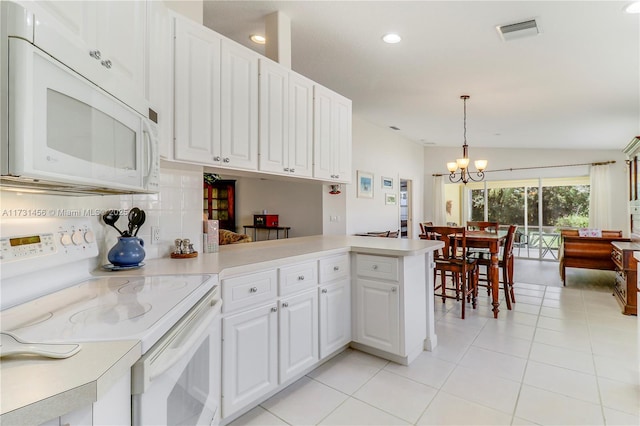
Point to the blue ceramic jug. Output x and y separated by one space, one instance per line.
129 251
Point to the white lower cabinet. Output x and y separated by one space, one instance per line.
390 305
249 356
298 333
335 316
378 315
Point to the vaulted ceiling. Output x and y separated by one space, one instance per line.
574 85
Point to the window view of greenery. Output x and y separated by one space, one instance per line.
562 206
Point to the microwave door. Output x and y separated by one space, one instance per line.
73 131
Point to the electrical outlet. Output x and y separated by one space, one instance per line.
155 234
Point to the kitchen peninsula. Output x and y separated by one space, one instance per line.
383 288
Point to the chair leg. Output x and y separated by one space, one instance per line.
443 285
473 278
505 280
464 289
513 297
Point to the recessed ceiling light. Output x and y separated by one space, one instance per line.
633 7
391 38
258 39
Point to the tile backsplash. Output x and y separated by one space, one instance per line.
176 210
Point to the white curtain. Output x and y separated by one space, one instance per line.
600 199
439 203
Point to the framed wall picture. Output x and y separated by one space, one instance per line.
387 182
365 184
390 199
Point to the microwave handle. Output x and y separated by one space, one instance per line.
148 148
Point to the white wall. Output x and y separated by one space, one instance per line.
435 159
298 203
381 151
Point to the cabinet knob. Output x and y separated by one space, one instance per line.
274 309
324 290
336 268
292 170
95 54
216 158
225 160
106 64
286 169
253 289
337 176
285 304
375 267
394 290
300 277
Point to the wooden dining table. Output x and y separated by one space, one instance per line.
491 241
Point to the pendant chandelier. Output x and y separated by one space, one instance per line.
463 163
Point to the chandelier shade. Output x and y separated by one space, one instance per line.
462 164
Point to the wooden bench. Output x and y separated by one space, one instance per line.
587 252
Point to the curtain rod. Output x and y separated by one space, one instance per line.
601 163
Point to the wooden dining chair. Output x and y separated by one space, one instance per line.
505 263
452 262
482 226
423 224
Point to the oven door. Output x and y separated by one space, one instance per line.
177 382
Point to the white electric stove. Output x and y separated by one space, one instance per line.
48 295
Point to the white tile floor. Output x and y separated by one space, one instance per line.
561 356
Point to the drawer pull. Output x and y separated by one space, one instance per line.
274 309
285 304
253 290
394 289
336 268
375 267
300 277
95 54
324 290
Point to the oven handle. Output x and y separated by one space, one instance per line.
172 354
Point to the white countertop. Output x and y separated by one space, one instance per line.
248 257
37 389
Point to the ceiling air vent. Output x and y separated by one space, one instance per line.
519 30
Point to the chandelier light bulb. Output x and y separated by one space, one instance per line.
453 166
463 163
481 164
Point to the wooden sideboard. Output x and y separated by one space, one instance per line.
626 276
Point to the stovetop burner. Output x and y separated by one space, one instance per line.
109 308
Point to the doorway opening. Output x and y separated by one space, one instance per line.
406 210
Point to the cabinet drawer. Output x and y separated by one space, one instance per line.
381 267
248 290
333 268
297 277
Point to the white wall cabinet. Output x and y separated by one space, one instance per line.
249 356
197 93
332 136
390 305
103 41
298 334
286 121
216 99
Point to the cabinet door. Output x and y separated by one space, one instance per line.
322 134
249 357
335 316
378 315
197 94
120 36
239 100
300 125
298 333
159 72
342 142
274 118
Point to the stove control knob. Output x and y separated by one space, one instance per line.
65 240
77 238
89 236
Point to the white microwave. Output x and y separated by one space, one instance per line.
65 134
